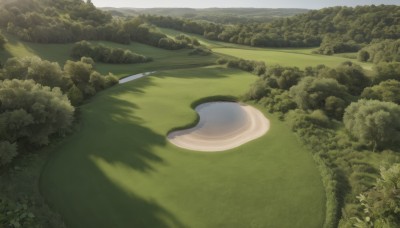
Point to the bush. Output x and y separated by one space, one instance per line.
2 41
7 152
104 54
374 123
201 51
31 113
110 80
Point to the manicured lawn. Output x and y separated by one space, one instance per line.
119 170
288 57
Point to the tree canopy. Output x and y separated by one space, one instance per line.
374 123
381 203
30 113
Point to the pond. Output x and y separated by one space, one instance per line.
222 126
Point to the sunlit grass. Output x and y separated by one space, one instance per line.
120 171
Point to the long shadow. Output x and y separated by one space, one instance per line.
213 73
90 178
79 180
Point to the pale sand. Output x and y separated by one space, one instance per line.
256 126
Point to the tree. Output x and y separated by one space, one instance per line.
7 152
382 203
374 123
75 95
41 71
348 74
79 73
97 81
386 71
2 41
32 112
312 93
386 91
363 56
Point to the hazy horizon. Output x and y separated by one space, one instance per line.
302 4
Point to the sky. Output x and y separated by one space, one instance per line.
307 4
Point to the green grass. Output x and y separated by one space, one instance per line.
300 57
287 57
119 170
163 59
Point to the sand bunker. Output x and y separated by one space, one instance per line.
222 126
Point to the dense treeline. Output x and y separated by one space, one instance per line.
101 53
381 51
29 114
217 15
342 113
338 29
64 21
2 41
36 97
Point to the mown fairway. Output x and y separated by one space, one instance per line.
287 57
118 170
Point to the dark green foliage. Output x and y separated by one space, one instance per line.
110 80
7 151
222 61
258 90
16 214
75 95
255 67
278 101
105 54
348 74
88 60
2 41
363 56
386 71
335 44
319 93
381 51
217 15
381 203
75 75
374 123
52 21
339 29
386 91
200 51
41 71
65 21
31 113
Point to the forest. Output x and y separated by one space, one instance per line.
347 115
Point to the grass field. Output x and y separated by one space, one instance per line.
300 57
119 170
288 57
163 59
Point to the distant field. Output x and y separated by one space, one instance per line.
288 57
163 59
119 170
300 57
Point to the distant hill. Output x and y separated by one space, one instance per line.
219 15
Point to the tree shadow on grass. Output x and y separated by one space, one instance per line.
92 179
194 73
88 180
